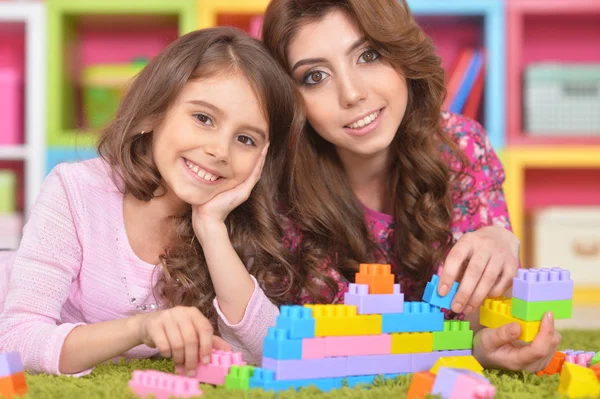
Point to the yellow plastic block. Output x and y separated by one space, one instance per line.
412 342
458 362
578 382
497 312
342 320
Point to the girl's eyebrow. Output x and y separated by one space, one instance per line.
309 61
254 129
214 108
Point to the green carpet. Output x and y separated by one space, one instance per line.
110 381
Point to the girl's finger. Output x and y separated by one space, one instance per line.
542 344
190 341
205 335
486 283
175 342
473 273
160 341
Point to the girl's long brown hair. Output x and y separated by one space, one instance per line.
253 226
321 203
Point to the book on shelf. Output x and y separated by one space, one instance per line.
256 27
465 83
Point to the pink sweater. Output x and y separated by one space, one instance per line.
75 266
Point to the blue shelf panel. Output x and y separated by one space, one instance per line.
57 155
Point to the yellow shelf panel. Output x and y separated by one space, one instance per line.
586 295
209 9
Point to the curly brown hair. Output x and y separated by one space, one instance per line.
253 226
325 210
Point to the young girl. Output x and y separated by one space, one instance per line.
378 176
131 253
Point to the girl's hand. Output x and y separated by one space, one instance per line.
489 259
217 209
498 348
181 332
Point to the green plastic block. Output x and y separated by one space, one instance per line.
239 377
8 195
534 311
456 335
596 359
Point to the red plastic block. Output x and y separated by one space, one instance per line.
218 368
313 348
536 285
420 385
358 345
555 364
163 385
378 277
13 385
596 369
358 295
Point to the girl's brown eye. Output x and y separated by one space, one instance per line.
368 56
317 76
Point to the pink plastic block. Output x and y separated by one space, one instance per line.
461 384
11 107
306 368
163 385
578 357
425 361
358 295
358 345
379 364
536 285
313 348
218 368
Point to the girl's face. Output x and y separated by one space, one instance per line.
211 139
354 98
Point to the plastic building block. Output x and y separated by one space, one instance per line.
218 368
534 311
497 312
460 384
420 385
342 320
163 385
10 363
379 278
358 295
312 348
265 379
11 100
596 369
535 285
13 385
578 382
578 357
298 320
458 362
432 296
425 361
353 381
278 345
358 345
596 359
456 335
239 377
417 317
412 342
306 368
555 365
378 364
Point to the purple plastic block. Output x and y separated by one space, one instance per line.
10 363
536 285
358 295
379 364
306 368
425 361
445 382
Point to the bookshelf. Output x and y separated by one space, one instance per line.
22 34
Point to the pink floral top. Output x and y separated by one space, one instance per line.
478 201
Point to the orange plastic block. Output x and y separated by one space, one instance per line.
596 369
420 385
498 312
13 385
342 320
378 277
555 364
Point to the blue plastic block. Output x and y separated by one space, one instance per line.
10 363
432 296
368 379
297 320
277 345
417 317
265 379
